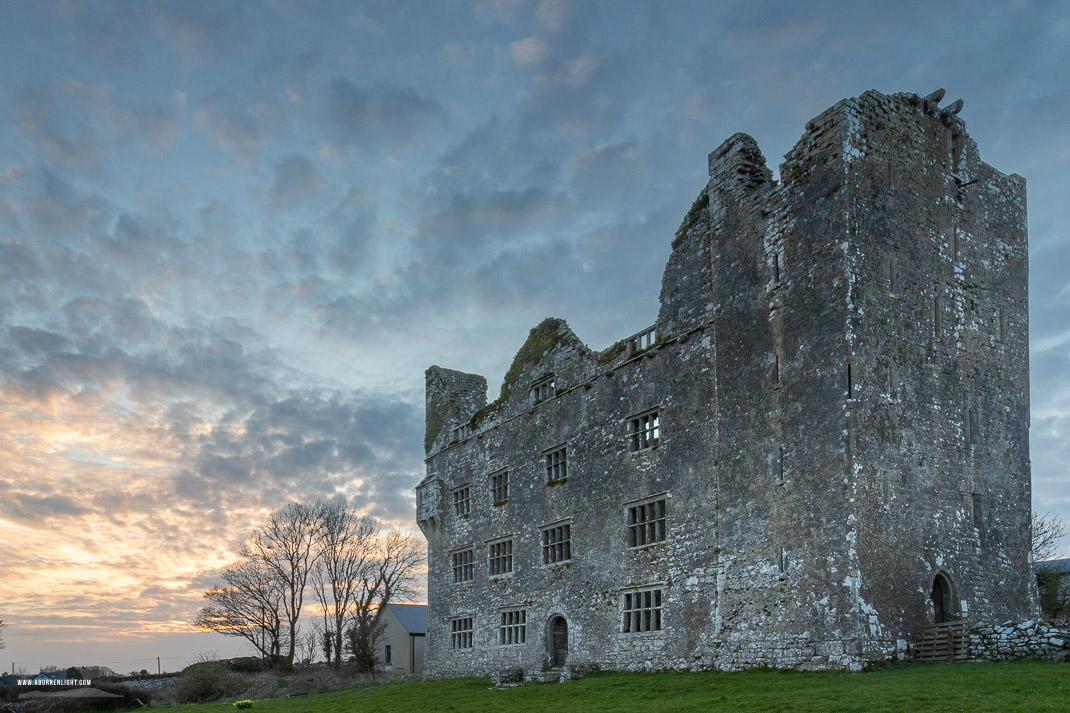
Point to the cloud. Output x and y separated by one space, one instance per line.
296 182
529 50
377 117
230 124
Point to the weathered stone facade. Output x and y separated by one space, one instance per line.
820 446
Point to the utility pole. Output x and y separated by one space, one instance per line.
158 665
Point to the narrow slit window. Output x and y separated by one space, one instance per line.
776 370
780 465
850 380
776 267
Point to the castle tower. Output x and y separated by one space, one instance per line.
819 448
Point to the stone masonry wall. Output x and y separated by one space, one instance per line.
839 375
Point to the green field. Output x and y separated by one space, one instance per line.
1027 686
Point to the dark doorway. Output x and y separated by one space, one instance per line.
557 641
943 604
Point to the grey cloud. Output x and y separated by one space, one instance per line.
349 226
227 119
379 116
296 182
59 208
37 509
205 31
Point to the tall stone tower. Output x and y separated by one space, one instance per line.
820 447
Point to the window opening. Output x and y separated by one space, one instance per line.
642 611
499 487
557 543
500 557
543 389
556 466
463 563
462 502
513 628
646 523
461 632
645 430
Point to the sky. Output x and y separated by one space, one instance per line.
233 235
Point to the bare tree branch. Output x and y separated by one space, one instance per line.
1046 531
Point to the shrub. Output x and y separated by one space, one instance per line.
243 704
246 664
204 682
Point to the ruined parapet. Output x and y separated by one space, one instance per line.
452 397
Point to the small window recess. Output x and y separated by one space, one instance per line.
775 376
556 542
1001 325
776 268
462 500
782 562
543 389
852 379
460 432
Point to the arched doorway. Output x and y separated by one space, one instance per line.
943 599
557 641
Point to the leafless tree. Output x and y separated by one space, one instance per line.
287 547
249 606
1046 531
2 625
396 565
347 562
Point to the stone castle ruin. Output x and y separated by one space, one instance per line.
818 450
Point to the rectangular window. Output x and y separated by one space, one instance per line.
386 655
556 467
462 562
543 389
499 487
459 433
645 430
642 341
461 632
557 543
500 557
775 378
646 523
462 501
513 629
776 267
642 611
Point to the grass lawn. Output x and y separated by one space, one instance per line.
1027 686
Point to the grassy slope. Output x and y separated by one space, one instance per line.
1026 686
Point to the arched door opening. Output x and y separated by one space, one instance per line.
557 641
943 599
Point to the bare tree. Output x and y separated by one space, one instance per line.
398 558
287 547
249 606
2 625
347 561
1046 531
